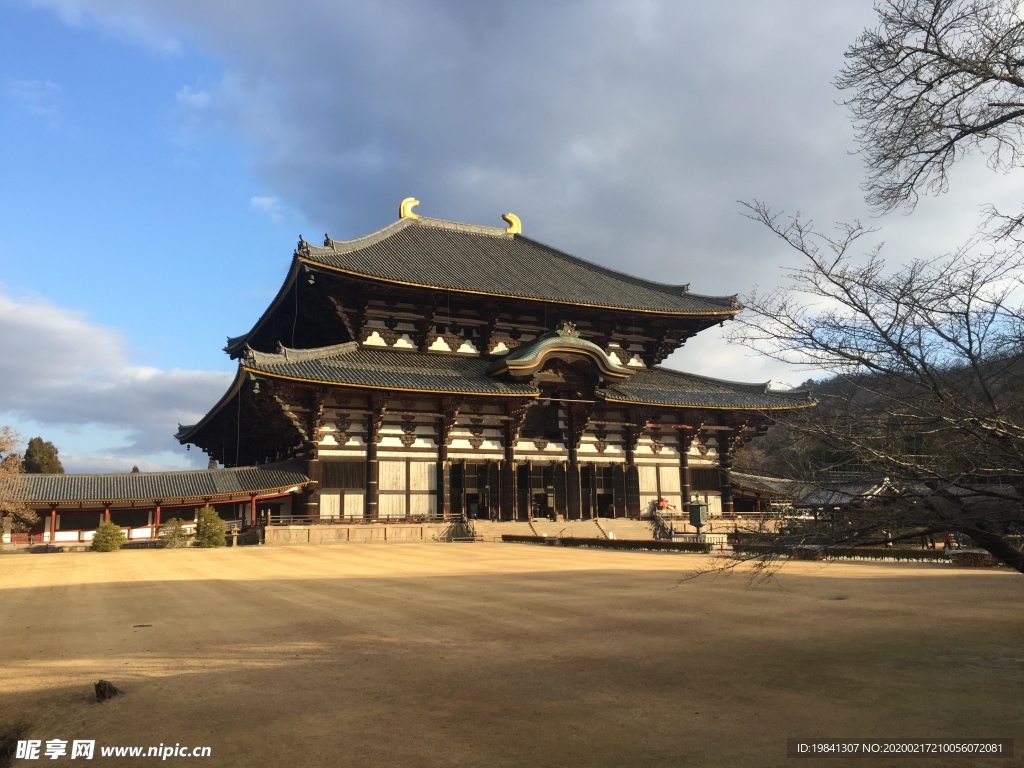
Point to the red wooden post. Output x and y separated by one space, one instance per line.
252 512
106 513
156 521
53 523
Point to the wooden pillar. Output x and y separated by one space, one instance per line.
449 413
374 422
106 513
311 505
725 470
573 492
53 523
685 482
252 511
507 502
509 507
632 473
156 519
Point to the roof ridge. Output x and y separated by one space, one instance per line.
288 355
347 246
457 226
757 387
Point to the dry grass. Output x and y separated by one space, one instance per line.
501 655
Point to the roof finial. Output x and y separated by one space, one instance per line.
405 208
515 226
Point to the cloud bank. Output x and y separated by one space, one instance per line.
62 370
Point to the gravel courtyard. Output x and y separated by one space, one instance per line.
501 655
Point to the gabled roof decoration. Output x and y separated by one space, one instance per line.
528 359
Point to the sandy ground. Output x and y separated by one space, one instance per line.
501 655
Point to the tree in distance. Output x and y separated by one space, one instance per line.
108 537
135 469
210 530
14 514
41 458
935 81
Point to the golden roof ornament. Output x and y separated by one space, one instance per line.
515 226
405 208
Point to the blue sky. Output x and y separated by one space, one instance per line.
159 159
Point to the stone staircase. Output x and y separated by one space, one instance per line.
488 530
580 529
623 528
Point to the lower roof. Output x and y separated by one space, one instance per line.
150 487
354 366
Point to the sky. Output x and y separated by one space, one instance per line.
160 158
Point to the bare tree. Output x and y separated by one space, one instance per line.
929 387
13 511
936 80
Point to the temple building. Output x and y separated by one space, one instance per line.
435 370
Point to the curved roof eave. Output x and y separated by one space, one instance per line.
187 431
236 344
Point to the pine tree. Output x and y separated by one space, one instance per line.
41 458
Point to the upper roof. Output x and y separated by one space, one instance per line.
188 485
433 253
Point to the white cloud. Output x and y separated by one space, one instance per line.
120 19
268 205
39 98
66 372
193 98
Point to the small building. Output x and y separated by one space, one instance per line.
70 507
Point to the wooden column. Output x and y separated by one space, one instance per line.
725 469
106 513
509 503
374 422
576 422
632 480
252 511
53 523
685 483
156 519
311 505
449 413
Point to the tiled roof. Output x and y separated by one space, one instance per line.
775 486
155 486
348 364
663 386
445 255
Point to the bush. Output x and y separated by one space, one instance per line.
209 528
639 544
108 537
172 533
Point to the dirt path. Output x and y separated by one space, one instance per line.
501 655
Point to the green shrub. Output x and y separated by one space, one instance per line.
209 528
108 537
172 533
